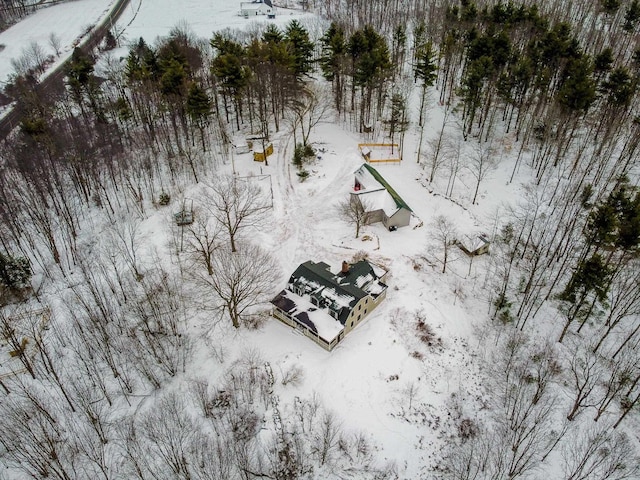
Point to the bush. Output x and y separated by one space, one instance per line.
308 151
15 272
293 376
303 174
109 41
301 154
503 309
417 355
426 334
467 429
359 256
164 199
298 156
255 321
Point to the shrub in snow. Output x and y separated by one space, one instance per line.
293 375
164 199
426 333
467 429
15 272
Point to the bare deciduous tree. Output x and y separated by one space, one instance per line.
437 145
410 392
203 241
168 430
17 342
600 453
623 300
619 376
309 110
355 211
55 42
32 436
586 372
444 232
236 204
482 162
126 240
329 437
37 56
242 279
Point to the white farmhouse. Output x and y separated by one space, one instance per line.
257 7
325 306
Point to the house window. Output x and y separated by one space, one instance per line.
351 324
359 317
333 313
366 300
359 307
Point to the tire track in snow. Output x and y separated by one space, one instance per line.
289 230
316 207
302 207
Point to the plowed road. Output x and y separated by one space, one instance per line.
13 117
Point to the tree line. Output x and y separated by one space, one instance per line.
557 84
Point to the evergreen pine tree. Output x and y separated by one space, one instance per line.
301 46
578 90
425 70
631 16
199 109
15 272
333 61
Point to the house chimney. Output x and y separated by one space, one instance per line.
345 268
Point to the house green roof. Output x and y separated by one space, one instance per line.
400 203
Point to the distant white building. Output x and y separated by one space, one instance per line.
257 7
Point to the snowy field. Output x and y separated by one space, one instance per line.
150 19
67 21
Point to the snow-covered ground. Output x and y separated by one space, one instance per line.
366 380
150 19
66 21
381 379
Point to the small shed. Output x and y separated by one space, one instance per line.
260 156
474 245
185 217
241 148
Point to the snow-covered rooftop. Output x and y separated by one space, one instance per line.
366 180
374 200
302 310
375 192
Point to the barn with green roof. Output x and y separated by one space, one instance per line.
381 202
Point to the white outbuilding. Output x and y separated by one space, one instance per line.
257 7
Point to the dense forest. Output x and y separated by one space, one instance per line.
104 394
